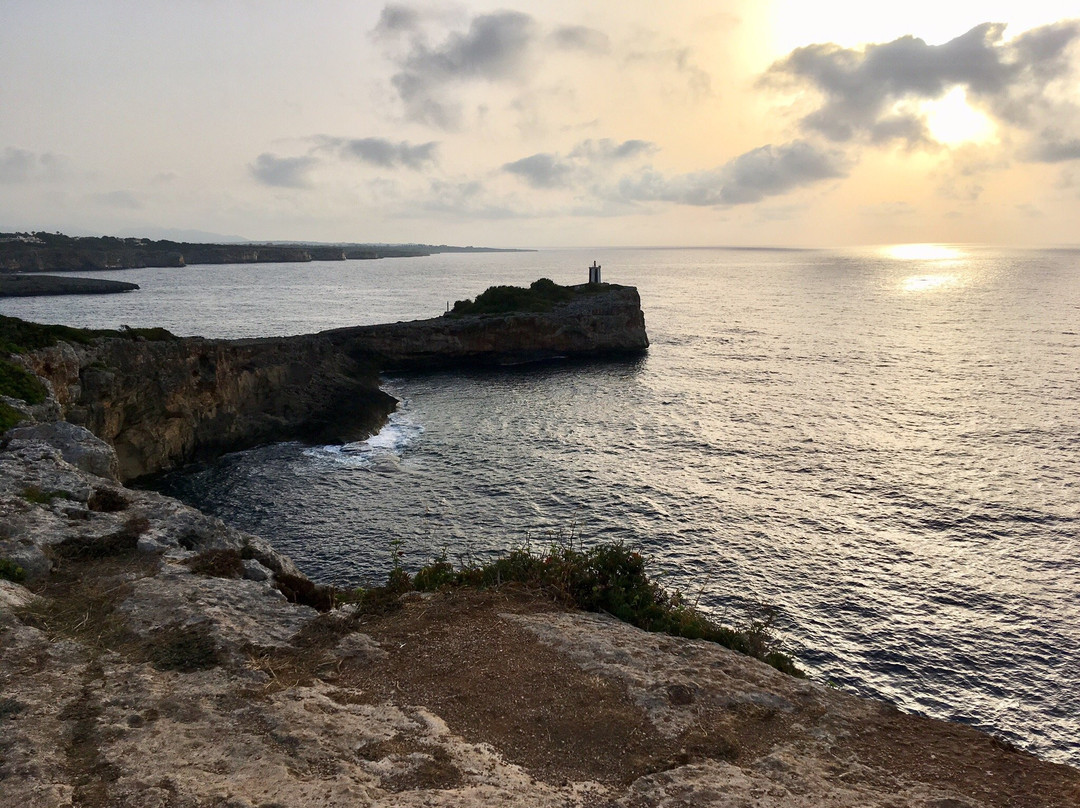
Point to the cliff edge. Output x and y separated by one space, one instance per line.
165 401
150 660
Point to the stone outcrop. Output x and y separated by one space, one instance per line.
130 678
590 325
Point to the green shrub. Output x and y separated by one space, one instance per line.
9 417
10 571
17 382
610 578
34 494
542 295
19 336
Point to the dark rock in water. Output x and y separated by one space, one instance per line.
33 285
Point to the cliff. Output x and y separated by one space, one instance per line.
594 322
163 403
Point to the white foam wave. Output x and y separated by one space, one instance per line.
380 452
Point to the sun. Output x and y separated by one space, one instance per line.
952 121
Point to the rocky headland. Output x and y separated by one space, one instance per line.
35 285
152 656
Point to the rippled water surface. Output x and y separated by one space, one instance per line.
886 446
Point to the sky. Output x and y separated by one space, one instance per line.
586 123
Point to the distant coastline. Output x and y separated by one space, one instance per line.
55 252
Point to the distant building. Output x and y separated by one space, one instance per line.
594 273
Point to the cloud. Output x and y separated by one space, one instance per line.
396 18
495 47
580 167
380 151
22 165
541 170
750 177
283 172
606 149
872 93
580 38
1053 147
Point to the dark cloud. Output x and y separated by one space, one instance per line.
585 164
382 152
396 18
862 88
750 177
541 171
22 165
1053 147
606 149
283 172
495 47
580 38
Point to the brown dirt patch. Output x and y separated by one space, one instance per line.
962 759
494 682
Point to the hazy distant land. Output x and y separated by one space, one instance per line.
55 252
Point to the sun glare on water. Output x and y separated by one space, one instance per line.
922 252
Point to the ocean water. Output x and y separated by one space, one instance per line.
883 445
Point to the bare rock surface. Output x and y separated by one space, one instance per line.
149 660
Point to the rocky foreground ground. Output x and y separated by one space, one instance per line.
133 674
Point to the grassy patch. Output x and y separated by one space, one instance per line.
9 417
10 571
19 336
609 578
542 295
38 496
17 382
217 564
183 648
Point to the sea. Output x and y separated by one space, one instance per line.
879 446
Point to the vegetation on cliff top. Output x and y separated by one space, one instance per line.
542 295
608 578
20 336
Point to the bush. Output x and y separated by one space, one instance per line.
542 295
10 571
610 578
19 336
9 417
17 382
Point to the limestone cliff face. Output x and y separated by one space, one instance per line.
163 404
601 324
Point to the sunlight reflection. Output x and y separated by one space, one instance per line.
922 252
928 283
